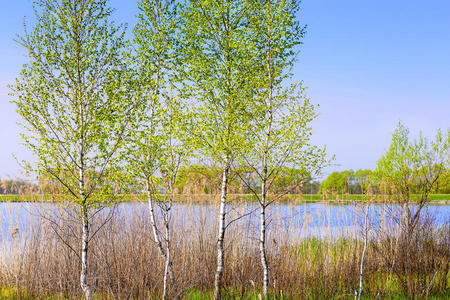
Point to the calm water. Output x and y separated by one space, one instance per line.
309 219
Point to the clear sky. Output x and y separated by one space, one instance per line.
368 64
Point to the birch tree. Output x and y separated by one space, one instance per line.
75 101
154 156
216 70
157 146
413 164
406 164
280 130
280 138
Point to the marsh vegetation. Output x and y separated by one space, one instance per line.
314 252
205 82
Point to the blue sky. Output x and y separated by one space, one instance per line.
368 64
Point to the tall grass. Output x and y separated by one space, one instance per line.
124 262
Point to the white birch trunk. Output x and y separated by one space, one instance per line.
262 240
85 232
165 254
361 270
221 235
168 271
151 211
84 255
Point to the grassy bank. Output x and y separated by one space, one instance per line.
11 293
124 262
205 198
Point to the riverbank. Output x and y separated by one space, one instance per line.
443 199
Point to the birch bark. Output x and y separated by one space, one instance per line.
221 233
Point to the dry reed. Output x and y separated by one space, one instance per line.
124 263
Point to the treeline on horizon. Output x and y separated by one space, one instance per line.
197 179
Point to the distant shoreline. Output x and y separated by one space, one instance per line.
441 199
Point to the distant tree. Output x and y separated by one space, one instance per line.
290 180
310 186
443 183
337 182
198 179
362 180
17 186
75 104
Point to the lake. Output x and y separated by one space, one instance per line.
302 220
